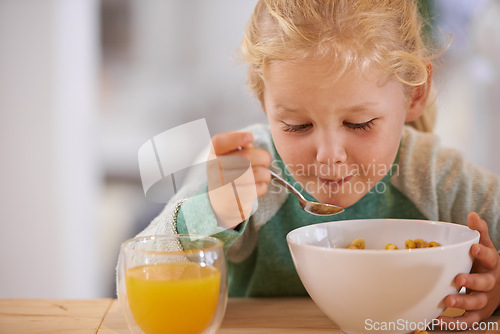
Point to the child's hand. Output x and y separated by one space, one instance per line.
250 181
483 283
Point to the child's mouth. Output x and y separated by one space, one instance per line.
337 182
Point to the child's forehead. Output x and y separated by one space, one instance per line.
291 87
322 69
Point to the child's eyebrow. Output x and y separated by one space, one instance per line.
286 109
362 107
368 106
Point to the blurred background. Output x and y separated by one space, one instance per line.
84 83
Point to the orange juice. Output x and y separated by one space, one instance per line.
173 297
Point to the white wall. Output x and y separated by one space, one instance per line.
468 80
181 66
48 174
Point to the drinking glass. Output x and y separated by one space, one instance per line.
172 284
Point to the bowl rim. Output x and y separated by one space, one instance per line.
472 240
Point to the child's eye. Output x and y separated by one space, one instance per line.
360 126
295 128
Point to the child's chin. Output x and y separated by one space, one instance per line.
343 200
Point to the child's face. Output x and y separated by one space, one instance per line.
338 138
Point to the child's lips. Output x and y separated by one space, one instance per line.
337 182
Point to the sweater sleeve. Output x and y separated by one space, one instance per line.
443 185
196 216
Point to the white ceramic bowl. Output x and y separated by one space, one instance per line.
368 290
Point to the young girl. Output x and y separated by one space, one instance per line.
346 87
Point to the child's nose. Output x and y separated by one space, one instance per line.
331 150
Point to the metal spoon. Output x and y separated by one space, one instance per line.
315 208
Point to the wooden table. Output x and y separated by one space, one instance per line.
104 316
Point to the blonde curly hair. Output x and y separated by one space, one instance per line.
353 34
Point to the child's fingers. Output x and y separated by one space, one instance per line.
261 174
224 143
262 179
488 257
261 188
471 301
257 157
476 223
477 282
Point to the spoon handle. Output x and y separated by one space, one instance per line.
287 185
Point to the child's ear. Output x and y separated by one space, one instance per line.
418 97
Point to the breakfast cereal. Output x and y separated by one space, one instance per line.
359 243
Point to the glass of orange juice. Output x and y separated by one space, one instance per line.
172 284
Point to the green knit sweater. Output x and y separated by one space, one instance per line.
426 182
